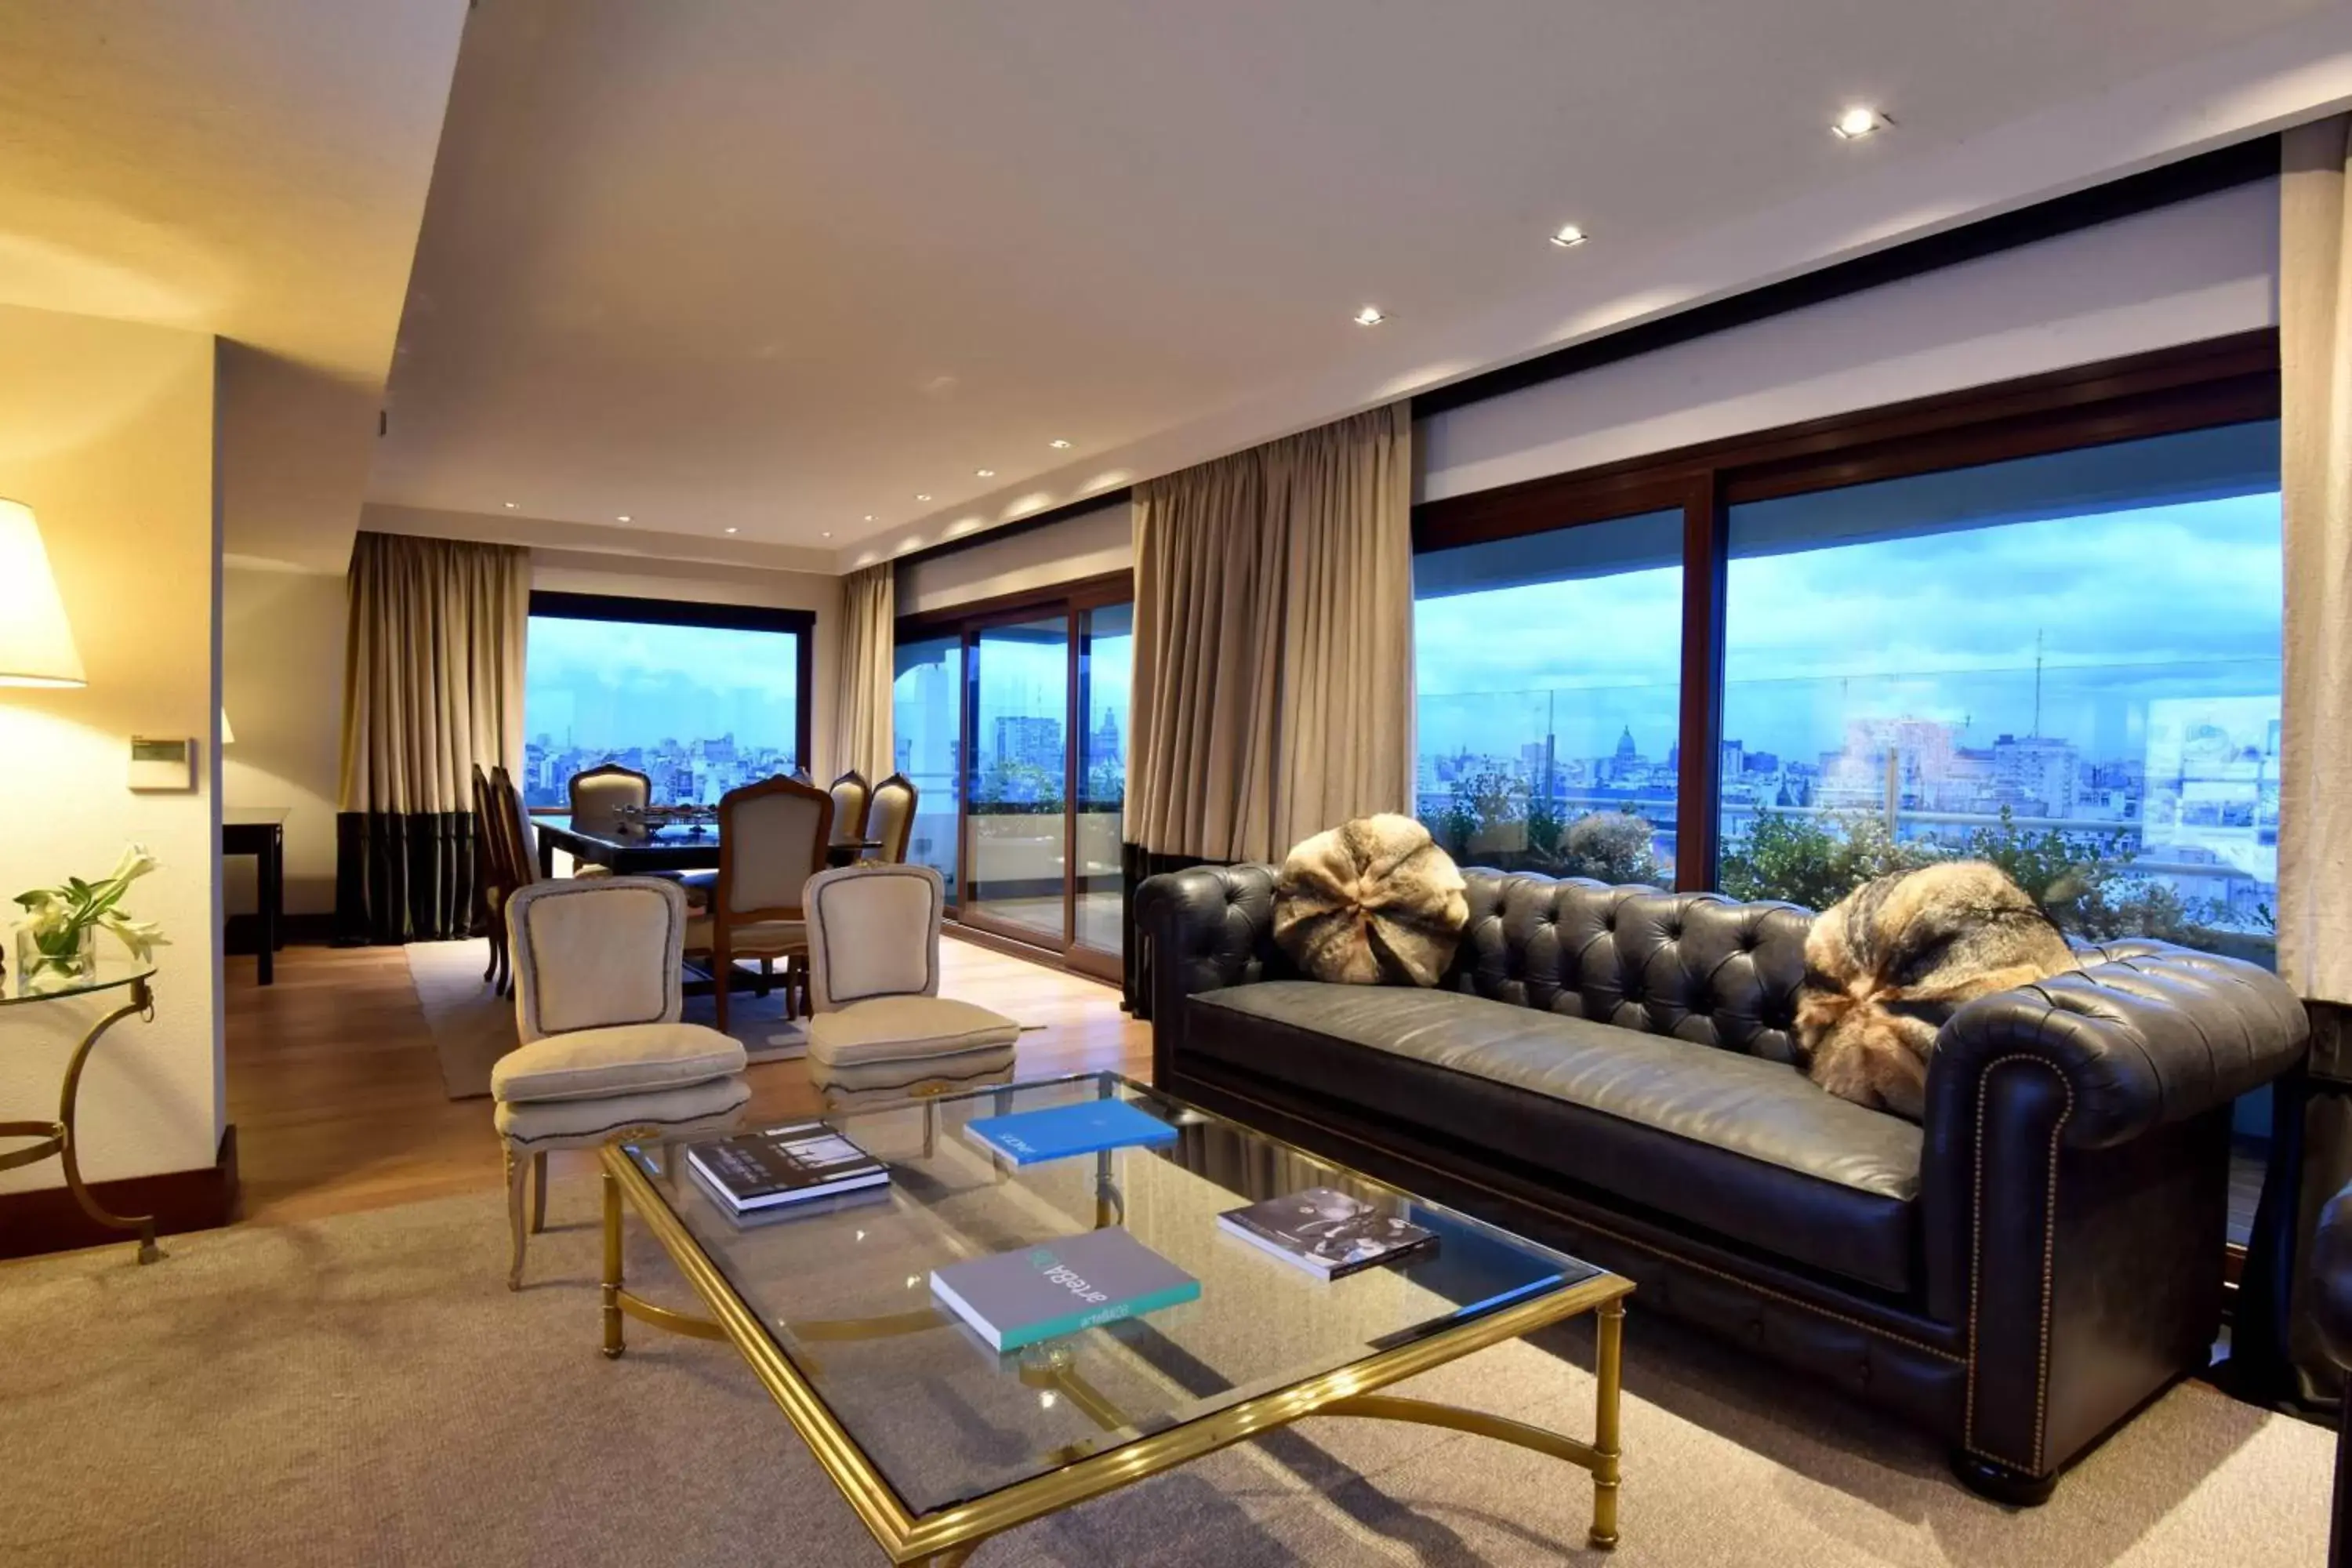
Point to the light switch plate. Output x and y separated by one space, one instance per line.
163 767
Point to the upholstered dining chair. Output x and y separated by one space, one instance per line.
851 796
771 839
891 819
516 862
879 1031
599 794
603 1055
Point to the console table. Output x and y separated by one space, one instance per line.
261 833
57 1138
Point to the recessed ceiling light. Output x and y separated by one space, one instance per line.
1370 316
509 506
869 517
730 531
1058 444
920 496
1858 122
828 535
984 473
1568 236
623 517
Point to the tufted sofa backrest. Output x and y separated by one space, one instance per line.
1694 966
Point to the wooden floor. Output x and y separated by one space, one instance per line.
338 1102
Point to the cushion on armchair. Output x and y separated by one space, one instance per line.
1373 900
598 1064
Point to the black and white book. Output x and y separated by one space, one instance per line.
792 1165
1326 1232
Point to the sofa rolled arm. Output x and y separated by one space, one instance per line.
2146 1035
1203 929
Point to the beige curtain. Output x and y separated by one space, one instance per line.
1273 687
862 736
433 684
2315 913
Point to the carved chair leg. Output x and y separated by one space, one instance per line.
722 976
517 1170
539 1191
768 977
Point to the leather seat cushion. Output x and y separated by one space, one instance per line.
583 1124
627 1058
1746 1148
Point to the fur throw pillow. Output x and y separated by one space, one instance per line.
1895 957
1370 901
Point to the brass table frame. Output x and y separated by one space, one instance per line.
950 1536
57 1138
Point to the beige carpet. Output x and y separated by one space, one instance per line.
364 1390
473 1026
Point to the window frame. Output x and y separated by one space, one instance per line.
2221 381
965 622
617 607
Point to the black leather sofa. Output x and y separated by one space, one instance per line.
1609 1069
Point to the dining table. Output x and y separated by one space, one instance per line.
667 846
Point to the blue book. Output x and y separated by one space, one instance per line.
1018 1298
1026 1137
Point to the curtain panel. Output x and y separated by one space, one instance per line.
2276 1356
862 734
433 685
1273 687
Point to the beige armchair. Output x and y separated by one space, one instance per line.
599 794
892 817
771 839
879 1031
604 1055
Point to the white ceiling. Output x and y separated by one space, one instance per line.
254 169
779 269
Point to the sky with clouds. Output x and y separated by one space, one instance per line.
611 684
2178 600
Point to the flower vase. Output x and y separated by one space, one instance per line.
55 955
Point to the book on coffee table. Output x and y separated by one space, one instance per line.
1324 1232
792 1164
1018 1298
1026 1137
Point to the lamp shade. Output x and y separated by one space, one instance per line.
37 644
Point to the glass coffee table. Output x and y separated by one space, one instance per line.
940 1442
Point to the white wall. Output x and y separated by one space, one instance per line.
106 432
1086 545
585 571
282 686
2195 270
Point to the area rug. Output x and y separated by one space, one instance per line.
473 1026
364 1390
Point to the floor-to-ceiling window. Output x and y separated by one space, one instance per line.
1549 672
2037 623
699 698
2067 664
927 703
1018 712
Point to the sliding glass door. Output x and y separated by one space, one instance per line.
1018 778
1013 720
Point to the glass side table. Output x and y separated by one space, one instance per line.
57 1138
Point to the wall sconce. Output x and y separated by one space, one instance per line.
37 644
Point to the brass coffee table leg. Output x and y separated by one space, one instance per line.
613 1343
141 1001
1608 1364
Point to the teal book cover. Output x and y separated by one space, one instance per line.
1055 1133
1032 1293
